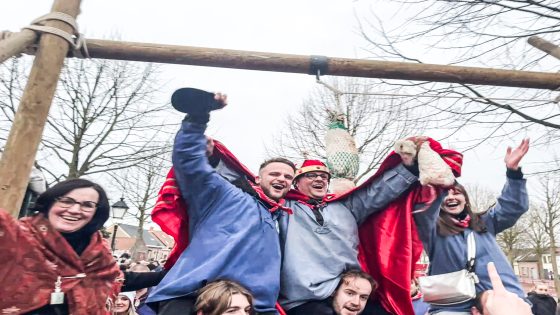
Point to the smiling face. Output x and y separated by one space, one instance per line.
122 304
68 219
275 179
313 184
351 297
455 201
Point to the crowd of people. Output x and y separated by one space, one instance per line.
274 243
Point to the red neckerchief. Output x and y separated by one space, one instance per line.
273 205
462 223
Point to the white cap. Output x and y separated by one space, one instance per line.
130 295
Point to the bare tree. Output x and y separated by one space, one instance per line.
481 198
140 185
511 240
537 238
474 33
103 117
549 215
375 123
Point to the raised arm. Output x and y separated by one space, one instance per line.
380 192
196 178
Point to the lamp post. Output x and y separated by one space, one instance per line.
118 210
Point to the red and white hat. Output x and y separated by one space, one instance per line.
312 166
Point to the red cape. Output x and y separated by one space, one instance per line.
389 245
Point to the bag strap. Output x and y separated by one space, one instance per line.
471 252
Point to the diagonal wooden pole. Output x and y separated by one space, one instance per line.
545 46
16 43
31 116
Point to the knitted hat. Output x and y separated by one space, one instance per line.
312 166
130 295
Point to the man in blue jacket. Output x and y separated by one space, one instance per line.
232 232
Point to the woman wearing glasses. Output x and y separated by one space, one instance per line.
55 262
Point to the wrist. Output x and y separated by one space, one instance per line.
514 173
201 118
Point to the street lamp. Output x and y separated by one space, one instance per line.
118 210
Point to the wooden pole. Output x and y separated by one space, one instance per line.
545 46
16 43
31 116
251 60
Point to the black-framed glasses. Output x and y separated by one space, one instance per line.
67 202
323 176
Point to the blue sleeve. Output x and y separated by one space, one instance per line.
198 181
510 206
426 222
380 192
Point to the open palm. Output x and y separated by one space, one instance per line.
514 156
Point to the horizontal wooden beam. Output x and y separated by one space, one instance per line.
252 60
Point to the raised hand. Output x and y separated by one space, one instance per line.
514 156
221 98
500 301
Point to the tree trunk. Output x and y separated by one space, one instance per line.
510 257
139 250
554 265
540 271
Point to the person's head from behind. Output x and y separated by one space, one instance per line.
479 304
540 288
224 297
312 179
124 304
74 205
352 293
275 177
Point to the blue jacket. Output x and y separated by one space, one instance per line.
232 234
449 253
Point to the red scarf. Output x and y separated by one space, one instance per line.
34 255
462 223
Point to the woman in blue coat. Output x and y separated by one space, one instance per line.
444 227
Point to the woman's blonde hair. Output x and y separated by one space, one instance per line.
131 308
215 297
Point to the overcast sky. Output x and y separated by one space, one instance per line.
258 101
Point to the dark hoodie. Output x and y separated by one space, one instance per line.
543 304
